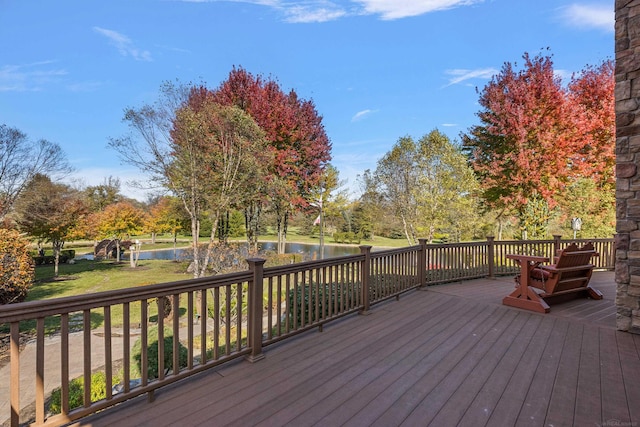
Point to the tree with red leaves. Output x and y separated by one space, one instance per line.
537 137
295 136
591 96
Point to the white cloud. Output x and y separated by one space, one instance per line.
361 115
590 16
29 77
124 44
307 14
460 75
87 86
449 125
396 9
329 10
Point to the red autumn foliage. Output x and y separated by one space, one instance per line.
292 126
537 136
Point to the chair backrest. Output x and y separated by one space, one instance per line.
572 256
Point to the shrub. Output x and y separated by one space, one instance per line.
347 237
152 353
16 267
329 294
65 256
76 392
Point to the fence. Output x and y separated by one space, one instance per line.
464 261
139 339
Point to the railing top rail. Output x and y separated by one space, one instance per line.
308 265
457 245
523 242
379 254
55 306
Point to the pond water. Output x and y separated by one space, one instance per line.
310 250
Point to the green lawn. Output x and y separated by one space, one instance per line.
86 276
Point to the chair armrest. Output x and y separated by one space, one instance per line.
554 269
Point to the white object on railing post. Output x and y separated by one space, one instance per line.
254 310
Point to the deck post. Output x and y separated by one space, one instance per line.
15 373
556 245
254 310
491 255
364 277
422 263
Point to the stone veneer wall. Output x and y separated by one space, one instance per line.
627 93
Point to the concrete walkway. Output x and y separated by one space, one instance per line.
52 366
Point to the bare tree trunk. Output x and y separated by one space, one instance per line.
405 228
282 231
207 255
252 224
56 257
195 233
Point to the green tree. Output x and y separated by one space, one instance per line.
397 177
427 184
230 150
100 196
362 222
372 205
595 206
534 217
50 212
446 186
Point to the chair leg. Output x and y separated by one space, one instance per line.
528 300
594 293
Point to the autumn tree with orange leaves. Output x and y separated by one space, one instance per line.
119 221
537 138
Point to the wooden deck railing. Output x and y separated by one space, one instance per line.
188 326
462 261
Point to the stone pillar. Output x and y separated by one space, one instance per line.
627 94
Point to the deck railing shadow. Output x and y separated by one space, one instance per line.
185 327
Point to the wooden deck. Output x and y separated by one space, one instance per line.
448 356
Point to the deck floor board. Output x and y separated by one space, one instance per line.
452 355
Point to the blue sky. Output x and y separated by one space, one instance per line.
377 70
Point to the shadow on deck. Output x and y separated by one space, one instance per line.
446 356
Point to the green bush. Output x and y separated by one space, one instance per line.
65 256
347 237
152 354
338 296
76 392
